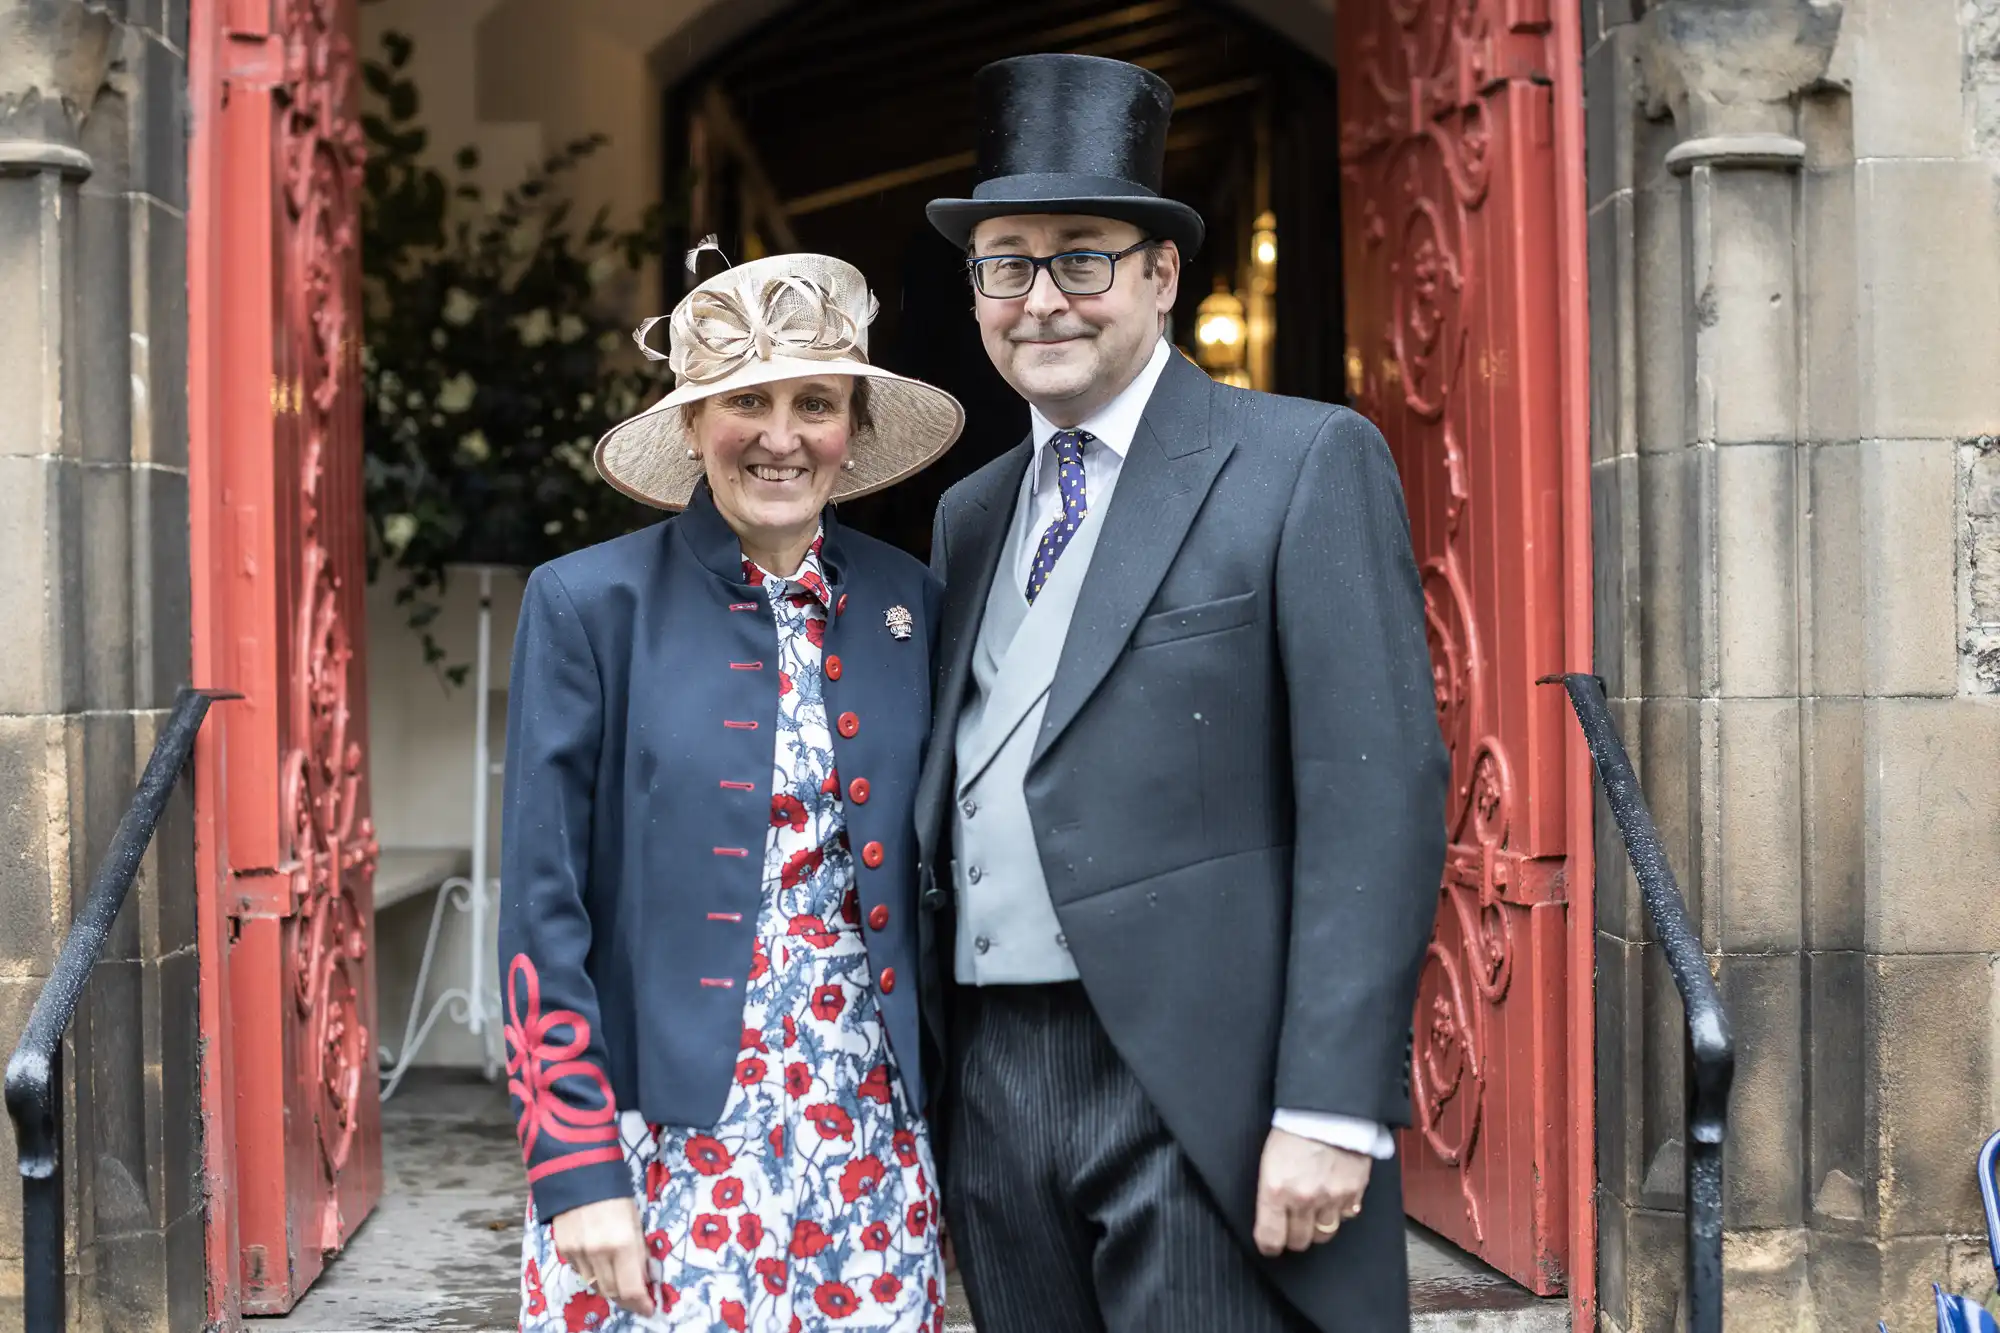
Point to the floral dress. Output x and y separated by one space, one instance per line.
811 1205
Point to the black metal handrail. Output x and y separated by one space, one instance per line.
34 1074
1711 1052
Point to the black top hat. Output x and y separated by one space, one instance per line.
1071 134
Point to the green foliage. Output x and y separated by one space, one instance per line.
495 355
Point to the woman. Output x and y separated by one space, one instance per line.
708 916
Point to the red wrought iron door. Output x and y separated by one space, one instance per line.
279 616
1450 195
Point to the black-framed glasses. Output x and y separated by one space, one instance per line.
1074 272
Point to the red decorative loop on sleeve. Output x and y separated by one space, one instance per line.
536 1062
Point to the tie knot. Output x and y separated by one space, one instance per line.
1068 445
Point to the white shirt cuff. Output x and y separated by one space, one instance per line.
1338 1131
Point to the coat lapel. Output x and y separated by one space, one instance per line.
974 534
1173 461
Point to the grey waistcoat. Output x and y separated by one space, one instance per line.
1007 928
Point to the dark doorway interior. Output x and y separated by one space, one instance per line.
830 126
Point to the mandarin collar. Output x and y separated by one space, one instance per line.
714 543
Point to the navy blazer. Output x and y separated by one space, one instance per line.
637 803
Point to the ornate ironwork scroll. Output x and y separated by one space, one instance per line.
333 840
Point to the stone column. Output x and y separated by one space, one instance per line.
1796 324
94 625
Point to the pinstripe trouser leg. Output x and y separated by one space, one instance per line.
1072 1210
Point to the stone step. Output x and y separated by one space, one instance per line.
440 1252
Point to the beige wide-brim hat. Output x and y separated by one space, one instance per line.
779 318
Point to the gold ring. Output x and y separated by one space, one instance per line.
1326 1228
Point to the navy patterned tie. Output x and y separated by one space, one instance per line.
1067 446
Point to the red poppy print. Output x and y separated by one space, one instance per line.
734 1316
791 1032
535 1303
875 1237
918 1219
707 1155
753 1040
710 1231
777 1140
751 1072
876 1086
666 1298
827 1002
760 962
784 684
836 1299
906 1147
774 1272
860 1177
798 1079
728 1193
808 1239
656 1180
831 1121
749 1231
886 1288
831 786
816 632
585 1311
788 811
812 929
657 1244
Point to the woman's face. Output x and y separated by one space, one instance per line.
772 454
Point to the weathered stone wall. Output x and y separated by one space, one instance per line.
1795 286
94 624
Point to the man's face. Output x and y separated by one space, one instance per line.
1070 355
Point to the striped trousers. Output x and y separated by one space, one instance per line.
1072 1209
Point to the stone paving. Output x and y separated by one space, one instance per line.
439 1253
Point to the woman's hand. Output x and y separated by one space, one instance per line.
602 1245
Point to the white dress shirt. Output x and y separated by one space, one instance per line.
1111 429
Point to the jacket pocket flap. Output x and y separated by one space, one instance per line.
1185 622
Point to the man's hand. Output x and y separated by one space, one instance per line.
1305 1190
602 1245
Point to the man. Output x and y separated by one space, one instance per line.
1184 803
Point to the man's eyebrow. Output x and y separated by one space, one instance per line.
996 241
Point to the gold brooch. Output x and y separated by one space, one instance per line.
899 621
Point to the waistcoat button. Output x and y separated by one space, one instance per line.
849 724
969 806
878 916
888 979
871 855
974 874
982 944
833 667
857 791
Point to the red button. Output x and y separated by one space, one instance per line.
849 724
840 607
888 979
833 667
878 916
857 791
871 855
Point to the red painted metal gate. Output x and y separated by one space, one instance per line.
275 480
1461 196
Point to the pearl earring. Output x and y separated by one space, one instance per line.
848 466
693 457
